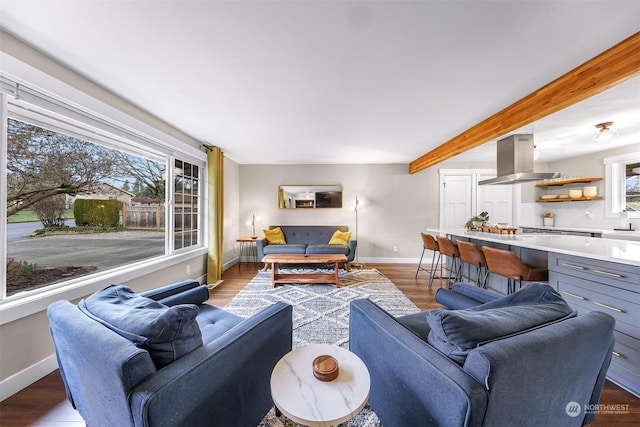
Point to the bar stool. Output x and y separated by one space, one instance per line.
429 243
449 249
472 255
506 263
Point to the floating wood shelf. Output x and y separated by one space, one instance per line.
567 181
569 199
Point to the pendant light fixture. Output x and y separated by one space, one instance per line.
605 133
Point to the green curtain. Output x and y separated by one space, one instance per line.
215 161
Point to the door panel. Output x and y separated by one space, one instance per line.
456 200
497 200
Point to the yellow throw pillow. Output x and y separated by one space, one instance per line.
275 236
340 238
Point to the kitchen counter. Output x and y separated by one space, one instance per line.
591 274
604 249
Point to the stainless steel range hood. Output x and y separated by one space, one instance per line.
515 162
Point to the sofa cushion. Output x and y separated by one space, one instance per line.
275 236
328 249
167 333
456 332
288 248
215 322
340 238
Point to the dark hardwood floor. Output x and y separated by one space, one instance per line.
44 402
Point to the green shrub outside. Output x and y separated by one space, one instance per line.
91 212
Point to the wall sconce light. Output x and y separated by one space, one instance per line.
605 133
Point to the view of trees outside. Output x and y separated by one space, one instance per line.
633 187
46 170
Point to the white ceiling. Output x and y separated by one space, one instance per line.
281 82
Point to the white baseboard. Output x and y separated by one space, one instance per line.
28 376
374 260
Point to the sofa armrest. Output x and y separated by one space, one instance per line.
433 386
225 382
353 245
465 295
260 244
530 365
171 289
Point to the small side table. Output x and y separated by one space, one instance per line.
248 249
303 398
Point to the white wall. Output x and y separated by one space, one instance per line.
395 206
392 210
231 212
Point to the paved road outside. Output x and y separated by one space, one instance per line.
22 230
101 250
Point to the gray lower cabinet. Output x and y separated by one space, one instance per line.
590 285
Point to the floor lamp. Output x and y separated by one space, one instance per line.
357 263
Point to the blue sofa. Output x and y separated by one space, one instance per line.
307 239
166 358
521 360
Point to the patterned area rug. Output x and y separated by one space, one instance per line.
321 314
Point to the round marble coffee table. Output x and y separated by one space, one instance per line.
303 398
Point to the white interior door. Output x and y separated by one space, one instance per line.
456 201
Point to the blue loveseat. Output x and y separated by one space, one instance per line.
166 358
307 239
521 360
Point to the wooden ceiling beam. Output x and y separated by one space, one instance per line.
608 69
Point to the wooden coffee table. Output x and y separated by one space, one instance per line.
301 259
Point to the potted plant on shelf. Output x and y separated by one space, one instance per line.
477 221
547 219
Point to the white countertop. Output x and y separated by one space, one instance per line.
613 250
623 234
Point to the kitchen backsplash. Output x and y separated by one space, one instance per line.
588 215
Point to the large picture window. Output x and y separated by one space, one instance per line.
80 202
65 200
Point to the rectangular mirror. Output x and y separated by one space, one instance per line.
309 196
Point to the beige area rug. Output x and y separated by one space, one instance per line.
321 314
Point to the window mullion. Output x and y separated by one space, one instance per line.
3 199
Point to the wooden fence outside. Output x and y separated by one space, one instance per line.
146 217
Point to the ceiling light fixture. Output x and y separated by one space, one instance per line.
605 133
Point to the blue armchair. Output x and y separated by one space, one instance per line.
195 365
520 360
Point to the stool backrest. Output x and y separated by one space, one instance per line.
447 247
471 254
504 263
429 242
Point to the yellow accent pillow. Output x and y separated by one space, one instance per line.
275 236
340 238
